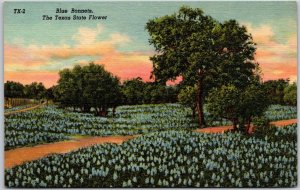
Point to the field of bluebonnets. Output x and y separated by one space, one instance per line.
169 154
51 124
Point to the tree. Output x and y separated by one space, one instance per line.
136 91
187 97
290 94
237 105
275 90
198 48
13 89
253 103
35 90
133 91
49 94
64 92
88 87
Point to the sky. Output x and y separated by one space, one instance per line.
36 49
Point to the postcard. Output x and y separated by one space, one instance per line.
141 94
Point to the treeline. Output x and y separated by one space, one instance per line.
91 86
35 90
93 89
136 91
281 92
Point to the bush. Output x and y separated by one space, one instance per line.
262 126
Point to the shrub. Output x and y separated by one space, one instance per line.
262 126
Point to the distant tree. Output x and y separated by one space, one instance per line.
237 105
155 93
275 90
13 89
133 91
202 51
136 91
88 87
171 94
49 94
187 97
290 94
35 90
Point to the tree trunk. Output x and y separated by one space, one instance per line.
103 111
194 112
86 109
200 100
248 125
114 111
234 122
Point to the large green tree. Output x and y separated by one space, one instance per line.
87 87
203 51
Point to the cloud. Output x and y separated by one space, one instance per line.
87 36
42 62
40 59
277 59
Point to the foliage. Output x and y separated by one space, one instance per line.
275 90
35 90
201 50
262 126
290 94
88 87
187 96
168 159
237 105
135 91
13 89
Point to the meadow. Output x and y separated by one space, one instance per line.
170 159
49 124
168 154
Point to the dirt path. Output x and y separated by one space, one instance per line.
18 156
221 129
23 110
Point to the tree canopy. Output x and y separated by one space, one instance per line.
236 104
13 89
290 94
88 87
203 51
136 91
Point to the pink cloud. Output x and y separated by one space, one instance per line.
277 60
32 58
